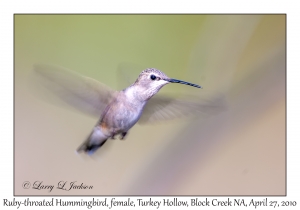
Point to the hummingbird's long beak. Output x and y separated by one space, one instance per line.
182 82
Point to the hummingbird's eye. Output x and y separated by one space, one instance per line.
153 77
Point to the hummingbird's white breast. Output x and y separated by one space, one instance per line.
123 112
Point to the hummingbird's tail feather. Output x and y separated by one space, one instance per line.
95 140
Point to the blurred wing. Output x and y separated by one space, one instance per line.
127 73
82 93
161 108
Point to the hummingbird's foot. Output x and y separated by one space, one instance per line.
113 136
123 135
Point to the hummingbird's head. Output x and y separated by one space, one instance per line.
151 80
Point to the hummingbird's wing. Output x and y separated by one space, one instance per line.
127 73
83 93
160 108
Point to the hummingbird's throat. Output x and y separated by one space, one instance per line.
144 94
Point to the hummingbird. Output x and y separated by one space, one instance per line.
118 111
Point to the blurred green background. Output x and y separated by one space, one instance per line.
240 151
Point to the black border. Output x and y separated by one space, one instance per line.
175 196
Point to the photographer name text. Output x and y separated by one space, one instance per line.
61 185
